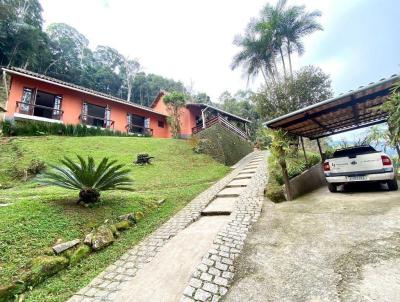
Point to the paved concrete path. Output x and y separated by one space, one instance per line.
323 247
165 278
191 257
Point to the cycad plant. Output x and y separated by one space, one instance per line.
87 177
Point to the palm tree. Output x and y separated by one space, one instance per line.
254 55
295 24
277 33
88 178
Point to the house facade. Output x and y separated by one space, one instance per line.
38 97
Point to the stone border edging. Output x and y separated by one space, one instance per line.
107 284
212 277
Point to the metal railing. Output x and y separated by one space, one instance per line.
95 121
132 128
224 123
29 109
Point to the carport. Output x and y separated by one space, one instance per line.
353 110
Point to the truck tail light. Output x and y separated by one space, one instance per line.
327 167
386 161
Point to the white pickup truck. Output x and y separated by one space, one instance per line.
359 164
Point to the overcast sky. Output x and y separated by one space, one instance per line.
191 40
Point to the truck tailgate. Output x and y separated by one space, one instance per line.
359 163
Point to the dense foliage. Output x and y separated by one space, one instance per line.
87 177
63 52
33 128
308 86
221 144
241 104
392 107
296 164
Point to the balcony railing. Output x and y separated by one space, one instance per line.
96 121
29 109
224 123
137 129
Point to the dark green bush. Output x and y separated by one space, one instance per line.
223 145
34 128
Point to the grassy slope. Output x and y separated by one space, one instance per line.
41 215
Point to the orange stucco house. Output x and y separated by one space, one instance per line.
38 97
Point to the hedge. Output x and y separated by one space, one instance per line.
34 128
223 145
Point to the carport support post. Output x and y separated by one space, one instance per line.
320 150
304 149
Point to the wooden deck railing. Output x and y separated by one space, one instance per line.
90 120
224 123
132 128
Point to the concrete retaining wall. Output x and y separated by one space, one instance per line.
308 181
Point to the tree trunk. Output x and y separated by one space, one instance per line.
89 196
290 59
264 76
398 150
283 62
285 174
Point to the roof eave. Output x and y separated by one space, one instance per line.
217 109
93 93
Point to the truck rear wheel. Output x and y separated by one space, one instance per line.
392 185
332 187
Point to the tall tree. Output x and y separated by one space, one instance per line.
69 48
277 33
22 41
175 101
130 69
310 85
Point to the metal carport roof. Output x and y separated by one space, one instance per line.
353 110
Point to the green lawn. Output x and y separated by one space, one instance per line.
40 215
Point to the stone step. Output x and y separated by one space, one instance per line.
251 167
251 170
230 192
244 176
239 182
241 173
220 206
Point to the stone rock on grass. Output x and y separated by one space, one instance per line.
8 292
88 238
129 217
102 237
59 248
80 253
122 225
43 267
139 215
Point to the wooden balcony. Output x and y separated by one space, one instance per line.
137 129
95 121
224 123
39 111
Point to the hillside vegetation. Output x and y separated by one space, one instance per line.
40 215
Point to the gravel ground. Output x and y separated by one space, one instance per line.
323 247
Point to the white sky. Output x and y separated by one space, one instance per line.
191 40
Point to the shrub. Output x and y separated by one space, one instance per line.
88 178
36 166
34 128
223 145
275 192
